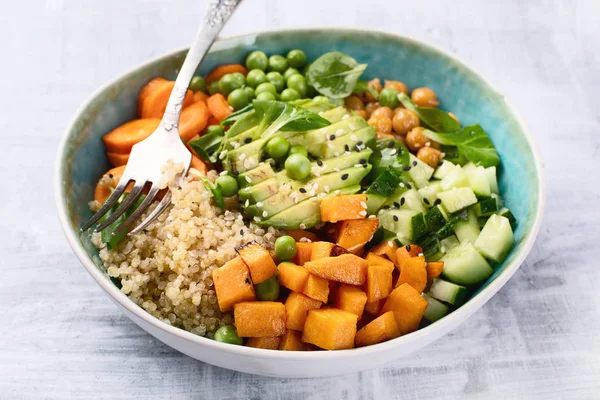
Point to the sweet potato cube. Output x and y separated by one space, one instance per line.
379 282
413 272
303 252
321 250
379 330
232 284
387 249
297 307
345 207
299 234
351 299
270 343
316 288
353 235
346 268
374 307
259 319
330 329
405 252
434 269
259 261
374 259
293 276
292 341
408 306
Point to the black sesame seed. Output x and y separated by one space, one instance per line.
437 202
402 201
407 168
247 140
409 186
357 148
110 176
440 163
396 218
241 231
302 190
396 204
363 161
319 163
346 147
236 173
414 163
391 144
360 143
408 247
247 281
344 177
331 137
366 165
426 201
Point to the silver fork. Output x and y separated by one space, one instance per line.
149 156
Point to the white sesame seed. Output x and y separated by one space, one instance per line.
354 138
330 145
372 216
312 193
242 156
346 116
248 179
357 165
443 249
393 152
336 169
326 188
428 144
259 204
265 214
305 239
247 203
400 235
363 204
257 219
339 132
442 154
390 243
352 127
337 192
363 213
222 154
420 255
302 226
402 184
337 154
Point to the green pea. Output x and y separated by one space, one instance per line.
265 96
298 83
277 63
257 60
228 334
297 166
388 97
289 94
285 248
228 184
213 88
228 83
289 72
277 147
255 77
198 83
361 87
238 99
216 129
249 92
298 149
321 99
267 290
296 58
276 79
265 87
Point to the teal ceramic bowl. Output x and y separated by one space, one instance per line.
81 162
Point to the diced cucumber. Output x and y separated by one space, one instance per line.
505 212
394 199
435 309
443 170
467 231
411 200
407 224
485 207
449 243
432 250
457 199
448 292
455 178
381 189
430 191
496 238
435 218
419 172
445 232
481 221
478 180
490 172
498 199
465 266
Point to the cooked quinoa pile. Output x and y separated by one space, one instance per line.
167 270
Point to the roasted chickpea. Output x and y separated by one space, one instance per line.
362 113
381 123
429 156
383 112
399 86
424 97
370 107
404 120
354 103
376 83
385 136
416 139
454 117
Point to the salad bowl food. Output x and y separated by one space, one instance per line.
353 196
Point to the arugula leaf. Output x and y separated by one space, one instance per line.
236 116
277 115
334 74
207 146
216 191
432 118
471 142
388 154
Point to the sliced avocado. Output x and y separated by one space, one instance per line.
242 139
261 191
242 125
256 175
244 158
343 161
335 114
348 142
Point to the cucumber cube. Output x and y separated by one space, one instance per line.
448 292
435 309
490 172
478 180
505 212
486 207
496 238
432 249
465 266
430 191
467 231
419 172
435 218
456 178
412 200
449 243
407 224
457 199
443 170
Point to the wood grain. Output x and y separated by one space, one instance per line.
539 338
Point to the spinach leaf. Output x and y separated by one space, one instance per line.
471 142
388 154
236 116
314 106
277 115
432 118
216 191
334 74
207 146
107 234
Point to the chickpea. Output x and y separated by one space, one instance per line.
424 97
383 111
385 136
362 113
416 139
370 107
381 123
354 103
429 156
399 86
376 83
404 120
454 117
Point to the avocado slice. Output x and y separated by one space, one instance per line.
244 158
257 175
348 142
242 139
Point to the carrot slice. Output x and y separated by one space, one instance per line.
198 164
156 97
146 90
117 159
200 96
222 70
212 120
122 139
218 106
108 182
193 120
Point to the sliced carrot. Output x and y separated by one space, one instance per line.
199 165
212 120
222 70
108 182
193 120
155 102
117 159
122 139
218 106
150 87
200 96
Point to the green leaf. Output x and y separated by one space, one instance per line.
334 74
314 106
236 116
207 146
277 115
216 191
388 154
471 142
432 118
386 183
107 234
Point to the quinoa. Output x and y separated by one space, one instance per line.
167 268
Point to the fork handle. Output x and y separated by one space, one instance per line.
218 13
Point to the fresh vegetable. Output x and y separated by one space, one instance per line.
238 99
285 248
379 330
257 60
258 260
389 97
408 307
379 281
197 84
292 341
330 329
297 307
268 343
296 58
218 106
293 276
153 98
334 74
303 252
297 166
193 120
432 118
341 208
290 94
216 191
259 319
255 77
353 235
316 288
346 268
350 298
228 185
218 72
472 142
298 149
123 138
277 63
232 284
228 334
276 79
413 272
267 290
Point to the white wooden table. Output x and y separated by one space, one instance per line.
539 338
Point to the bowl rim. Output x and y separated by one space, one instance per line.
432 331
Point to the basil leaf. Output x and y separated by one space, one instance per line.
216 191
471 142
334 74
236 116
207 146
277 115
432 118
388 154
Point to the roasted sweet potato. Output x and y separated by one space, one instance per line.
299 234
387 249
379 282
154 97
405 252
222 70
122 138
259 261
344 207
321 250
408 306
303 252
353 235
293 276
379 330
351 298
269 343
316 288
259 319
292 341
374 259
232 284
434 269
330 329
297 307
413 272
346 268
